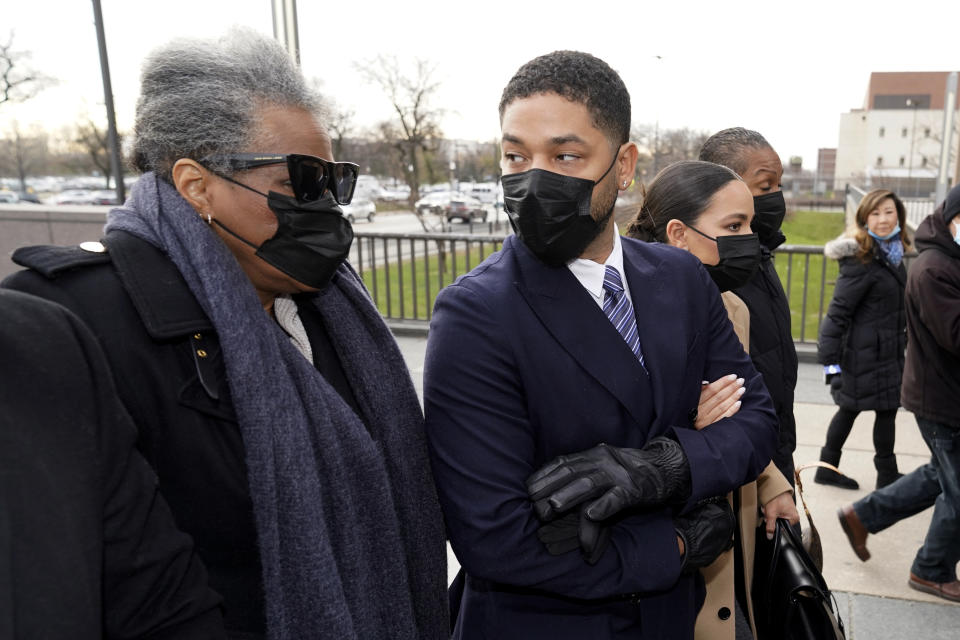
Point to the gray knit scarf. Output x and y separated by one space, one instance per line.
348 523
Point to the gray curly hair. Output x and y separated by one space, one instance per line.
201 97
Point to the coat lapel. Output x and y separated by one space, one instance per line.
581 328
658 323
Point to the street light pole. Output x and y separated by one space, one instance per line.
913 136
949 109
285 27
656 126
113 139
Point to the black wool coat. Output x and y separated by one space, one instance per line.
864 330
88 548
931 380
170 376
773 352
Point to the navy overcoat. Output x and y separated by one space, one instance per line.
522 366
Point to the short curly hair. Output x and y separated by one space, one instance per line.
727 147
201 97
579 77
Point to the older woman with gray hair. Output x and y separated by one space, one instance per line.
271 399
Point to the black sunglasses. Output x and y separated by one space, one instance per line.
310 176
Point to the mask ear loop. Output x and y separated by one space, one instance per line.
701 233
616 157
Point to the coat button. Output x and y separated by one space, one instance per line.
201 353
93 247
724 613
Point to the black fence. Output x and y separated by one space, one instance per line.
404 273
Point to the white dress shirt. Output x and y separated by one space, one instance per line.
591 274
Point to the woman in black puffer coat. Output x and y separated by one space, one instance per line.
863 336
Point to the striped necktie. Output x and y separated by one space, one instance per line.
618 308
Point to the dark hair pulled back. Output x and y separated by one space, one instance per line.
681 191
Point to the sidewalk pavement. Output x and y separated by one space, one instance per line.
874 600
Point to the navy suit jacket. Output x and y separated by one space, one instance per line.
522 366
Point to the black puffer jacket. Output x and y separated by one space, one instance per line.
773 352
864 330
931 381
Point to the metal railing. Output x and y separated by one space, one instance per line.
404 273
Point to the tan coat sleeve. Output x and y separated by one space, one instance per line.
739 316
770 484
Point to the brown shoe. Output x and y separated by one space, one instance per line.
946 590
856 532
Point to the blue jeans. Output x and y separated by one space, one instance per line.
936 483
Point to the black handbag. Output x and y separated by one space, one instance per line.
791 600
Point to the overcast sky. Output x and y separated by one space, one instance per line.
787 70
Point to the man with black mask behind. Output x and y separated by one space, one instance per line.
561 388
771 343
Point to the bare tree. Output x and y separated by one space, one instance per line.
661 147
22 154
18 81
479 163
95 144
415 130
930 145
341 126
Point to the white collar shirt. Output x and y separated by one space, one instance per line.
591 274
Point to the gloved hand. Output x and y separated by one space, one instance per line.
706 531
619 478
573 531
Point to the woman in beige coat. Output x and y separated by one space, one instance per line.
706 209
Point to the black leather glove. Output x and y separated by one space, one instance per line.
706 531
835 382
614 478
574 531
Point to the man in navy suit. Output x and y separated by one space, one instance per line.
561 385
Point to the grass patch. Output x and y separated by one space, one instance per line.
812 273
406 288
812 227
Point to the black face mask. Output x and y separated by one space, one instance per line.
768 212
739 259
311 241
550 213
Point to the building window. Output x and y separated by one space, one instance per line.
903 132
926 132
903 161
879 161
882 131
923 161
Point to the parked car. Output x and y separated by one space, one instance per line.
105 196
359 209
434 202
74 196
465 208
485 192
28 196
395 194
8 197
